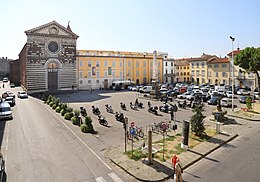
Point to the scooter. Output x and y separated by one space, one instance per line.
122 105
133 106
95 110
120 117
165 108
102 120
139 104
109 109
83 112
153 110
182 105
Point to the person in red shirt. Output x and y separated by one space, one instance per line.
175 159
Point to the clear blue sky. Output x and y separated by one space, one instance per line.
180 27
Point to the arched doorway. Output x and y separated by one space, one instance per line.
52 76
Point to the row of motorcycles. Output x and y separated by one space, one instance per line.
192 104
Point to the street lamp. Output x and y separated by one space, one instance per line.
233 84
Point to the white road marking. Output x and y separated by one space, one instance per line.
115 177
7 139
100 179
81 140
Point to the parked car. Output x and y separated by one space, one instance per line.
243 92
226 102
163 90
10 100
243 99
229 94
184 95
8 94
22 94
5 79
2 168
12 85
173 93
213 101
5 111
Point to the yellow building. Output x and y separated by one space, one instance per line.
98 69
182 70
219 71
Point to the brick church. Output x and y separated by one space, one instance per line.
47 62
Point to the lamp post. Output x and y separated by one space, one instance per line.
233 84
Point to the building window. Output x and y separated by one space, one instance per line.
216 74
121 64
80 82
197 65
184 73
224 81
121 74
137 64
187 67
105 73
181 73
129 64
113 73
209 66
223 74
166 63
171 63
202 65
215 65
224 65
203 72
177 67
98 74
89 73
144 73
144 64
81 74
198 73
113 64
151 64
129 73
209 81
188 73
159 64
97 81
171 71
166 71
137 72
184 67
97 64
89 63
192 65
209 74
89 81
80 63
192 72
106 65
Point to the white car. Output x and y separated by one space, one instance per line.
22 94
183 96
243 92
226 102
229 94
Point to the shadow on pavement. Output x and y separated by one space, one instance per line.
159 167
230 121
2 129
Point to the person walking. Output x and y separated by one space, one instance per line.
175 159
172 115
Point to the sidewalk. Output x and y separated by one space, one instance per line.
160 171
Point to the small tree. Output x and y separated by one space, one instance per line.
197 125
88 122
249 103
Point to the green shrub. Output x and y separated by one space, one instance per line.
68 115
76 113
197 124
58 109
54 106
69 109
64 106
51 104
249 103
75 120
84 128
88 122
63 112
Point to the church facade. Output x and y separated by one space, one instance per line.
47 61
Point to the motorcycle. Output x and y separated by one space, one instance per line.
122 105
120 117
139 104
109 109
153 110
102 120
190 104
165 108
182 105
133 106
95 110
83 112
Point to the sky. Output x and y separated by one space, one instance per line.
183 28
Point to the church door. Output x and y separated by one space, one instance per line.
52 76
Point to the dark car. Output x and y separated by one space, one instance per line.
243 99
12 85
10 100
2 168
213 101
8 94
173 93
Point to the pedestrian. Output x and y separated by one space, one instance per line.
175 159
172 114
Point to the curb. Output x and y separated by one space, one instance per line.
212 150
241 117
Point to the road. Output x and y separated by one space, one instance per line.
236 161
39 146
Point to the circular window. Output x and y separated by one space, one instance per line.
53 47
